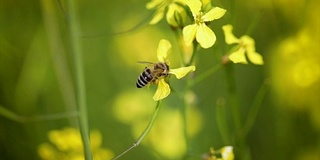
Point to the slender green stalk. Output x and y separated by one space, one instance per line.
183 112
233 97
255 108
243 151
145 132
179 37
58 55
25 119
75 34
205 74
183 109
222 121
254 23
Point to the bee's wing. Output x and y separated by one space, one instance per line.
145 62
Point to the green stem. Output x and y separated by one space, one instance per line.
222 121
10 115
24 119
243 151
183 112
58 55
233 97
145 132
75 33
183 109
255 108
179 37
254 23
205 74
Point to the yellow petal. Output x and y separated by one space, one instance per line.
163 50
163 90
158 15
153 4
189 33
195 6
229 37
255 58
182 2
248 41
205 36
181 72
214 13
238 56
171 19
206 2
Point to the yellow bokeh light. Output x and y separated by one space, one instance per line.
133 106
296 68
66 144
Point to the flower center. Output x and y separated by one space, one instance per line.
198 18
242 44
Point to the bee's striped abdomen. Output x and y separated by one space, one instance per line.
144 78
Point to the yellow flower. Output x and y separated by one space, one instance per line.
227 153
172 7
163 89
245 45
199 30
67 144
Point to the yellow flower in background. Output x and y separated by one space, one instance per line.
199 30
171 7
245 45
66 144
166 140
225 153
163 88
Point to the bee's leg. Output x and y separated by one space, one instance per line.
155 81
164 74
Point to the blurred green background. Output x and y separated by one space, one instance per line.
37 79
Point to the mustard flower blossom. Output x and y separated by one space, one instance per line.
67 144
171 7
199 30
245 45
163 89
225 153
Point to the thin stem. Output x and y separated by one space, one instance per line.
233 97
252 115
222 120
24 119
183 109
75 33
254 23
180 42
183 112
58 55
243 152
145 132
205 74
10 115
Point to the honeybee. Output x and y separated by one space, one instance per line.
152 74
